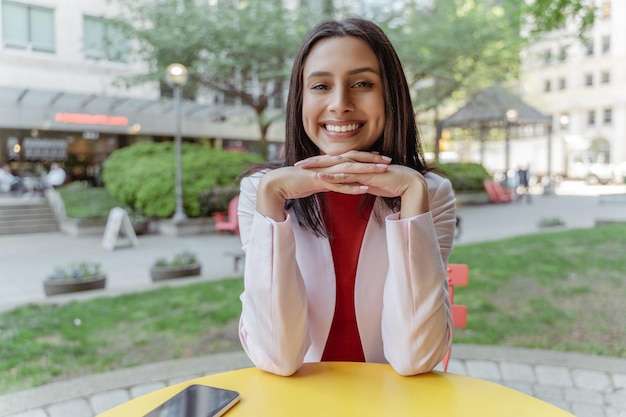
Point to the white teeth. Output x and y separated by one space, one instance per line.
343 128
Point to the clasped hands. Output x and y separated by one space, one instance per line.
353 172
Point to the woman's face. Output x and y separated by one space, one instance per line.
343 106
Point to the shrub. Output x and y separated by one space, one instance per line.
465 176
142 176
179 259
76 271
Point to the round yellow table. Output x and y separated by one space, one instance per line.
355 389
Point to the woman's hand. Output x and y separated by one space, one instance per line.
354 172
395 181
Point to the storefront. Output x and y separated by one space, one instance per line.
81 131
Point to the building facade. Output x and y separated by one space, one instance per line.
582 85
62 99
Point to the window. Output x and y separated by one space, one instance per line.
101 40
607 116
27 27
589 48
562 83
547 57
588 79
606 9
606 44
591 117
563 54
547 86
605 77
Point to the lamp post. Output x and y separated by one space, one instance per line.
511 117
176 78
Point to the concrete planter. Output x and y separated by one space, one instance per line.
161 273
55 287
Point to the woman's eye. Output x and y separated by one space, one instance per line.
319 87
362 84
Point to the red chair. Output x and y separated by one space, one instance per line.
228 221
458 275
497 193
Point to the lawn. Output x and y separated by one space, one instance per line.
562 291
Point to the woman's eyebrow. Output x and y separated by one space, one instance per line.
351 72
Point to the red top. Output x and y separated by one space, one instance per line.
346 227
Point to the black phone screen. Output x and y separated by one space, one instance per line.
197 401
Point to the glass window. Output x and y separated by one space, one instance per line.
606 9
101 40
563 53
607 116
588 79
591 117
589 48
547 86
606 44
547 57
605 77
562 83
27 27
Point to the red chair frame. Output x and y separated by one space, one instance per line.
458 275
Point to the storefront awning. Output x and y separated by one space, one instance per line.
24 108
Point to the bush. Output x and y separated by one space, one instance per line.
465 176
142 176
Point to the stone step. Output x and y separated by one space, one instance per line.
17 217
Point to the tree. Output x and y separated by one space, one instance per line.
244 52
541 16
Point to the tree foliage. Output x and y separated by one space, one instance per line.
452 46
142 176
542 16
244 52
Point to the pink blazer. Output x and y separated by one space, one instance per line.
401 294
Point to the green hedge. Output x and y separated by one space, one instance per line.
142 176
465 176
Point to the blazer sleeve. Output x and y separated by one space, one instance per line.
273 326
417 321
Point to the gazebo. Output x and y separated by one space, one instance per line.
497 108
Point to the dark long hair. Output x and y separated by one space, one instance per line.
400 138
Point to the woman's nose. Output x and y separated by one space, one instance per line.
341 101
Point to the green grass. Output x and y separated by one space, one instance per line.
560 291
82 202
44 343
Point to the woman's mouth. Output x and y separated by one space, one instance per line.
343 128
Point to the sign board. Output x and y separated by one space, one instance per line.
118 223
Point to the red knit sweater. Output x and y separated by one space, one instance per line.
347 228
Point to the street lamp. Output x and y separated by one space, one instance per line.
177 78
511 117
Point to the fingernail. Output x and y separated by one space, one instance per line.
386 158
382 165
299 163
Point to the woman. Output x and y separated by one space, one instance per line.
348 239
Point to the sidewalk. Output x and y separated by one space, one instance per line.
587 386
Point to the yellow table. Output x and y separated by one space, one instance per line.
355 389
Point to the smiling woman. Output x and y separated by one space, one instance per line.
347 239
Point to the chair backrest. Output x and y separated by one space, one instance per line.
458 275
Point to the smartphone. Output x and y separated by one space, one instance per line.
197 401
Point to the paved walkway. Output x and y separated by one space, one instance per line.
587 386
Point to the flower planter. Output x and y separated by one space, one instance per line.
169 272
55 287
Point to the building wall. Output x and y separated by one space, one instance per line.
572 105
